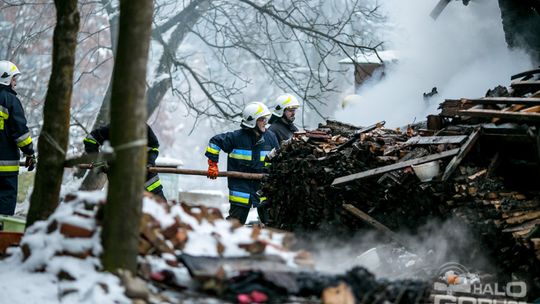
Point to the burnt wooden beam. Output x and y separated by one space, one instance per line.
435 140
525 83
516 116
373 223
500 100
538 146
393 167
355 137
439 8
493 164
463 151
526 73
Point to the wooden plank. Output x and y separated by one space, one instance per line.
234 174
526 73
512 108
437 10
534 109
435 140
373 223
525 83
516 116
463 151
393 167
174 170
538 147
426 140
356 134
532 101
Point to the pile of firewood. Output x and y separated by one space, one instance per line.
311 161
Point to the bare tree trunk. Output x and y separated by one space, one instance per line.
185 20
120 234
94 180
54 136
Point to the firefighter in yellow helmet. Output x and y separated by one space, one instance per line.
246 149
14 136
283 115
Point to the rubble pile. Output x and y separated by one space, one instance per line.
488 153
307 166
190 253
246 264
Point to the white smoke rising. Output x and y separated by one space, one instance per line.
435 244
463 53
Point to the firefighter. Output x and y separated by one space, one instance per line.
14 136
97 137
246 149
282 120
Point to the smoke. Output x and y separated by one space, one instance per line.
463 53
435 244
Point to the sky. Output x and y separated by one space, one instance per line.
463 53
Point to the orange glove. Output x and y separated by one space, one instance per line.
213 170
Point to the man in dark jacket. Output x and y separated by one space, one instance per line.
246 149
14 136
282 120
97 137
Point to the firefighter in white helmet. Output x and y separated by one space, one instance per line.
14 137
283 115
247 148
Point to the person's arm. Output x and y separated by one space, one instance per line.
95 139
153 147
19 129
225 142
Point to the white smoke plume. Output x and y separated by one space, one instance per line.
463 53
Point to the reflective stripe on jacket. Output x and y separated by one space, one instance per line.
246 154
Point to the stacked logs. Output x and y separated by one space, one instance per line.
299 184
505 222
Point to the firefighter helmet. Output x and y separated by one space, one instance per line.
252 112
283 102
7 71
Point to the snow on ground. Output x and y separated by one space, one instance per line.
31 272
34 278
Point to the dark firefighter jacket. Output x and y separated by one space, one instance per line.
14 133
246 153
98 136
283 130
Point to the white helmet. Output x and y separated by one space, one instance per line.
284 101
252 112
7 71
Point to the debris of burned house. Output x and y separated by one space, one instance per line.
430 94
485 158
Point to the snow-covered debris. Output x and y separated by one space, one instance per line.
60 256
65 251
202 231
